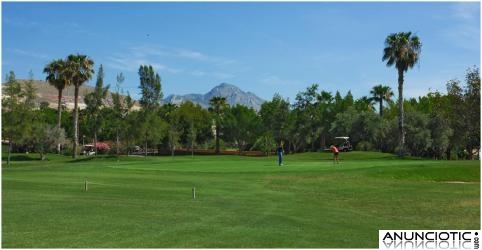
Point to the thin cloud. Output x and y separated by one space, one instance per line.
132 64
218 75
465 11
28 53
464 36
199 56
21 24
147 50
152 54
465 29
183 53
274 80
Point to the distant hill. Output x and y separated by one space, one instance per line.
233 96
48 93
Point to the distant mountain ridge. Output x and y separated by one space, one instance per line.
232 93
48 93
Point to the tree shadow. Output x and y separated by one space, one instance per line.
82 159
20 158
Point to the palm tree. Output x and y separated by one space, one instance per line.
402 50
218 104
56 78
381 93
79 70
364 104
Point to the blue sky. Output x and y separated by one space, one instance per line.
265 48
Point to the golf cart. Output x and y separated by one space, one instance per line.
88 149
343 143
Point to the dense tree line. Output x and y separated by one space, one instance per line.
440 126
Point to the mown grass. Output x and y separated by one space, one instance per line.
241 201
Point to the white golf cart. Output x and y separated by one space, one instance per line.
343 143
88 149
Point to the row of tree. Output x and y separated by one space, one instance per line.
436 125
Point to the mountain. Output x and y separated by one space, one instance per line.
48 93
233 96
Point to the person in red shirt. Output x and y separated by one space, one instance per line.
335 151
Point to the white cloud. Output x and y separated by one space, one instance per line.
218 75
464 29
131 64
28 53
274 80
199 56
21 24
464 36
190 54
148 54
466 10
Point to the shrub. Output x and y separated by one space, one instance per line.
102 147
364 146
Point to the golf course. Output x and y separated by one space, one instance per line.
240 201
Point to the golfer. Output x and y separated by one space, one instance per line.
335 151
279 150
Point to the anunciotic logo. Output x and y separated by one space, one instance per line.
428 239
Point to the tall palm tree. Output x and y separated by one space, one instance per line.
218 105
402 50
381 93
56 78
80 69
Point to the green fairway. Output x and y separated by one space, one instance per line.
240 201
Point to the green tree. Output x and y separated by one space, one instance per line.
148 126
327 111
151 95
360 126
30 92
440 134
170 114
121 107
456 115
13 113
364 104
218 108
274 116
314 113
194 123
472 109
241 126
419 138
150 85
379 94
94 102
45 137
402 50
265 143
79 69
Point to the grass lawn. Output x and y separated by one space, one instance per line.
241 201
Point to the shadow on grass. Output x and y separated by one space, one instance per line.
21 158
92 158
83 159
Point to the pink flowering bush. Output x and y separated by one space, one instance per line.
102 147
